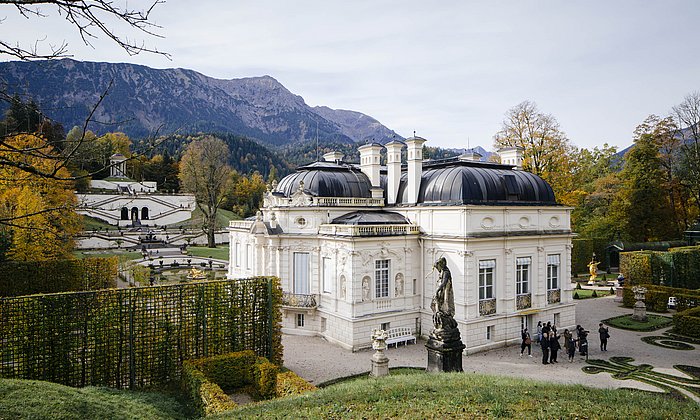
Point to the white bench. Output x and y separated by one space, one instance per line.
399 335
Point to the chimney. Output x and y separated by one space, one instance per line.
333 157
393 176
415 167
370 157
512 156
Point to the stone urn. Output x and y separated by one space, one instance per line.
380 363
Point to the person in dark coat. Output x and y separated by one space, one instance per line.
527 342
571 347
604 335
554 347
545 349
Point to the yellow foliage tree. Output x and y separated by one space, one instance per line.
36 213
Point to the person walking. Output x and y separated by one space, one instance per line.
554 347
527 342
539 331
571 347
604 335
567 336
545 349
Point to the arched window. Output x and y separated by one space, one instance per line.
134 213
125 213
144 213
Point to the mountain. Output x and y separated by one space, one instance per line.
485 154
143 101
358 126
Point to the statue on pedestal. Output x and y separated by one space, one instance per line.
444 345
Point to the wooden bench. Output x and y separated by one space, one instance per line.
399 335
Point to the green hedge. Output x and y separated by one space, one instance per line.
289 383
136 337
687 322
582 250
27 278
204 380
678 267
656 298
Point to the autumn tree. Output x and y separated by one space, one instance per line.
687 116
547 152
204 171
37 214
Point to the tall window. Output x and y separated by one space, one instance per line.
381 278
301 273
522 275
327 275
552 272
249 255
486 273
237 250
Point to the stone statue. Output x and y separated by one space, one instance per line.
444 300
365 289
398 285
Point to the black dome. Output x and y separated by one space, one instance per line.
478 183
327 179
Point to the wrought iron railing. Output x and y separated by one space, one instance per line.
554 296
299 301
523 301
487 307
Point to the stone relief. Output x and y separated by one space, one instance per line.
343 287
365 289
399 285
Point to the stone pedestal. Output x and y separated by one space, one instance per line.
640 311
445 351
380 364
619 294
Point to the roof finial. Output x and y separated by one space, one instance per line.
414 133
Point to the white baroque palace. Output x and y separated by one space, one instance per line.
354 246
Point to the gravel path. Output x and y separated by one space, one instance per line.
318 361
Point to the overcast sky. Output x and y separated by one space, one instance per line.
448 70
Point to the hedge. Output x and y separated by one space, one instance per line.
656 298
204 380
136 337
19 278
678 267
687 322
289 383
582 251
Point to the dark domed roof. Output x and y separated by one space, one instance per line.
460 182
327 179
370 218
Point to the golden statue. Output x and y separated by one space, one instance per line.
593 269
196 274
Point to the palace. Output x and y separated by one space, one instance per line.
354 245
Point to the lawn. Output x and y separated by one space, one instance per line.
653 322
197 219
221 252
122 254
587 293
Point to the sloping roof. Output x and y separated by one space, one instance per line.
370 218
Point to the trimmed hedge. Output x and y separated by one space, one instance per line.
136 337
204 380
687 322
678 267
18 278
656 298
582 250
289 383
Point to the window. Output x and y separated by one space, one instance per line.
489 332
486 269
386 326
523 323
323 324
300 320
557 317
522 275
301 273
238 254
249 254
381 278
552 272
327 275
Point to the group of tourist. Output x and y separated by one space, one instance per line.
548 339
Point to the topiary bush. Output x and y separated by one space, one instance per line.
687 322
594 294
289 383
612 291
576 296
578 286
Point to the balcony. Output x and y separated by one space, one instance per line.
369 230
523 301
554 296
487 307
299 301
241 224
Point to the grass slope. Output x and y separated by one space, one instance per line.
22 399
459 395
221 252
197 219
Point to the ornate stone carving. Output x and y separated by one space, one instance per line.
366 289
523 301
343 287
554 296
487 307
399 285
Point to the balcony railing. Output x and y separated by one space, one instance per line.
369 230
240 224
299 301
554 296
487 307
523 301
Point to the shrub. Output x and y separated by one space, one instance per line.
612 291
207 397
688 322
656 298
289 383
576 296
594 294
578 286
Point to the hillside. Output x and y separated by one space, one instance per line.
143 101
